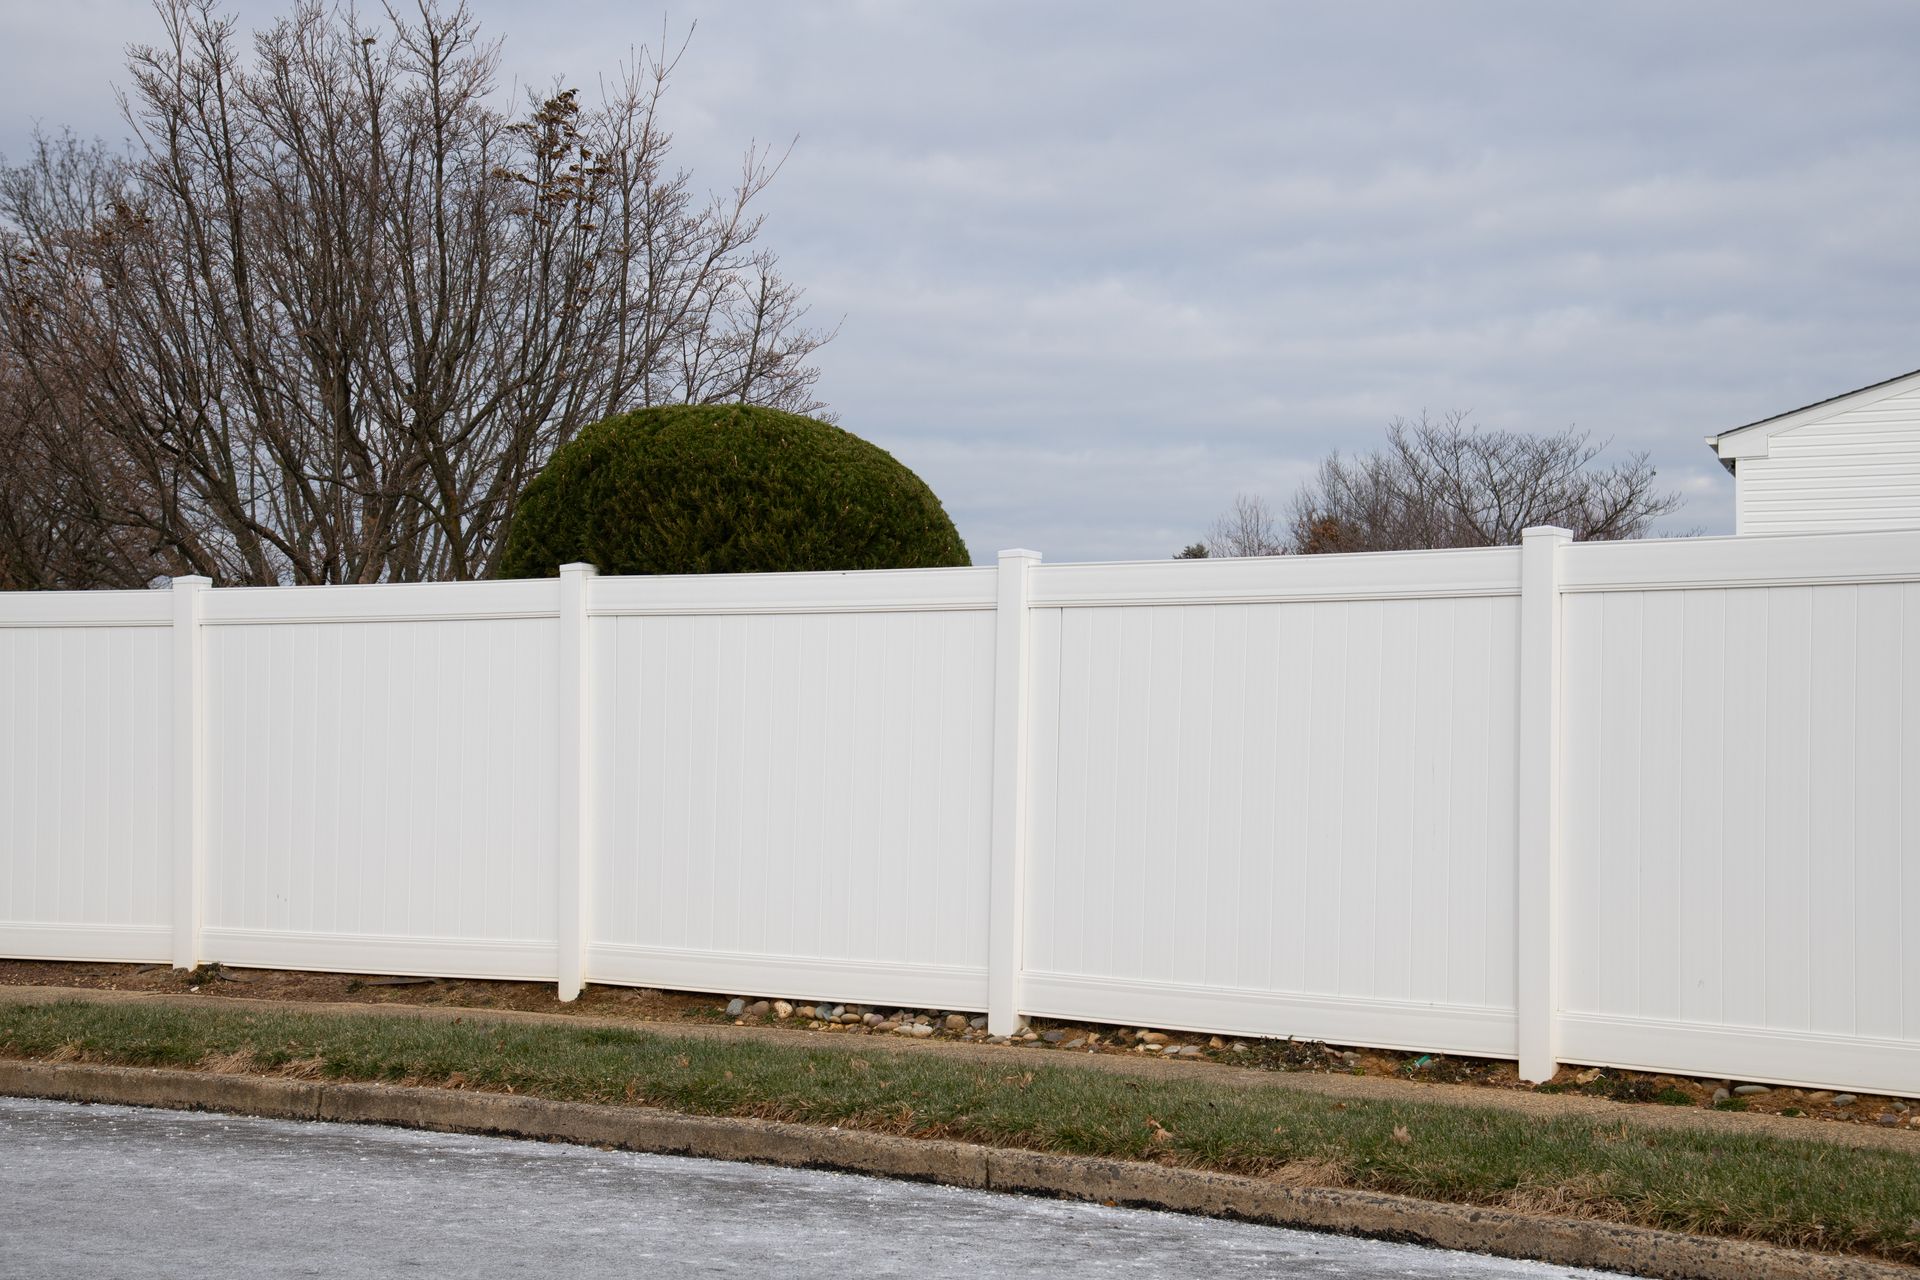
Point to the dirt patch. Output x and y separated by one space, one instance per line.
637 1004
238 1063
1580 1198
1309 1173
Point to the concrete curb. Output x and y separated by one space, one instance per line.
1562 1241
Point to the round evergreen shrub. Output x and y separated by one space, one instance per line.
725 489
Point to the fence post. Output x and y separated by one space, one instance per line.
573 770
1007 877
189 766
1536 895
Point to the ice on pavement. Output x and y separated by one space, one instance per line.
136 1193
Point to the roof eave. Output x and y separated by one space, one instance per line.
1749 440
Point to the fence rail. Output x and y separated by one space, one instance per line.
1650 805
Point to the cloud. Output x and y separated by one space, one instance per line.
1102 266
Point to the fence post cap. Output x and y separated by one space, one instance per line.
579 569
191 581
1019 553
1552 531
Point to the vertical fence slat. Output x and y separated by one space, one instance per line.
573 845
1007 876
189 767
1535 887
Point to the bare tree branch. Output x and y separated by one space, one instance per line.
332 311
1248 528
1447 483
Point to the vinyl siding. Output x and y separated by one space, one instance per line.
1859 469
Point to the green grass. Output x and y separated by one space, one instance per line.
1808 1194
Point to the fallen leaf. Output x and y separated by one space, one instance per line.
1401 1136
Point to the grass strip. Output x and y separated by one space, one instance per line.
1803 1194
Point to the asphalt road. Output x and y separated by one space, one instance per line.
125 1192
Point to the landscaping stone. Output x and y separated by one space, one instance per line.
978 1024
736 1007
1845 1099
1750 1090
1074 1044
781 1009
956 1022
758 1009
1153 1037
1053 1037
1720 1096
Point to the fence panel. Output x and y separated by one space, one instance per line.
1277 798
1741 775
791 784
86 802
380 782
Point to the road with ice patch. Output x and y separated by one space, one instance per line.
132 1193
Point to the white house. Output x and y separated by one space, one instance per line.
1851 462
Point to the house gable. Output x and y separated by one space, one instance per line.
1752 440
1849 462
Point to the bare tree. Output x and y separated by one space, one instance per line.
1448 483
334 308
1451 484
1248 528
50 535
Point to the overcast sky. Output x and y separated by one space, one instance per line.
1102 266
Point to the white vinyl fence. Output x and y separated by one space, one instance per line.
1651 805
